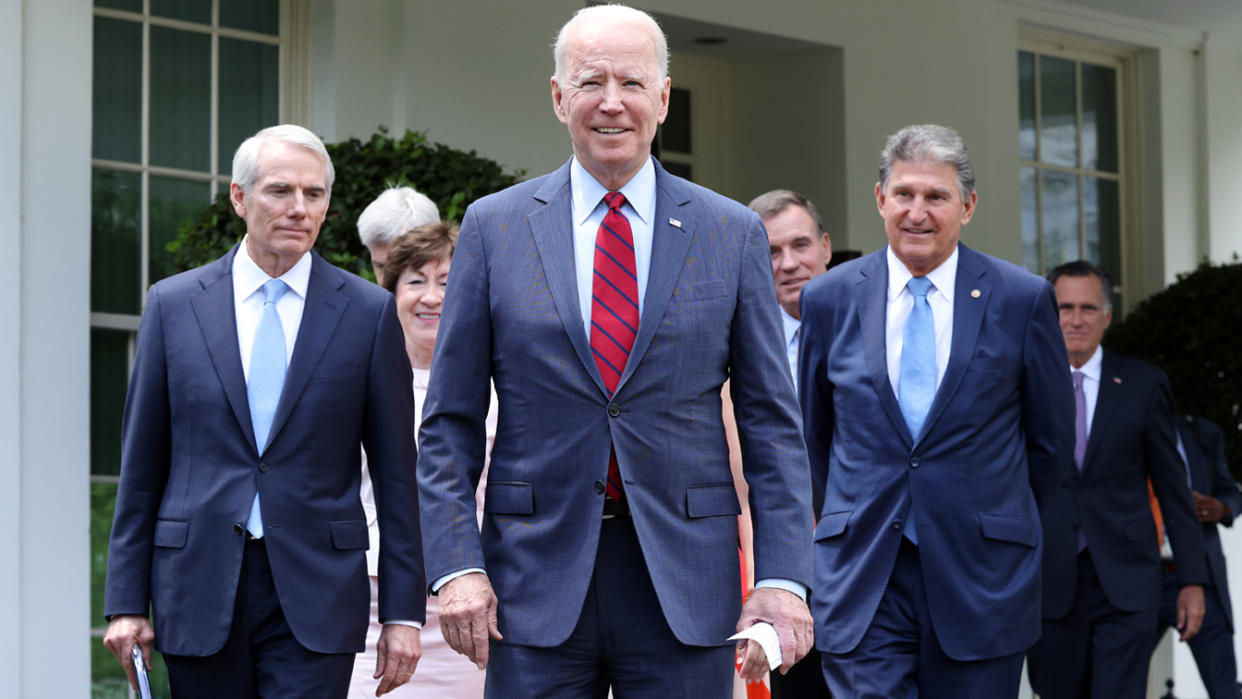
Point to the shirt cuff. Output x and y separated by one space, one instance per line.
403 622
435 587
782 584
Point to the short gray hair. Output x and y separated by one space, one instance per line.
922 142
393 213
772 203
612 14
246 159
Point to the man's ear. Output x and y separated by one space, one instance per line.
238 197
558 107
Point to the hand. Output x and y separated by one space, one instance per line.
124 632
396 655
1189 611
468 616
1208 508
789 614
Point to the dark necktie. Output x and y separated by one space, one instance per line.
1080 437
614 309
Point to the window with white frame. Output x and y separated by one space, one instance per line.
178 84
1075 137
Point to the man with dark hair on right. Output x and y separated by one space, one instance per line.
1101 571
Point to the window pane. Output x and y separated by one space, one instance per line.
249 81
1058 126
1102 224
173 203
188 10
1060 218
131 5
1026 105
1099 118
255 15
117 92
180 99
680 169
115 245
1030 222
109 378
676 129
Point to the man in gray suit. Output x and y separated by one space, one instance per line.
609 301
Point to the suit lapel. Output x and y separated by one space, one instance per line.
669 245
1105 404
551 226
871 295
325 305
968 312
217 319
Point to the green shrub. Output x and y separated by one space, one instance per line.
1192 330
450 177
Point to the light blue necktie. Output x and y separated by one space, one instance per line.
917 382
267 378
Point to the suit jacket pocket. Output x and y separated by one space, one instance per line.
690 293
509 498
171 533
350 535
712 501
335 371
1016 530
832 524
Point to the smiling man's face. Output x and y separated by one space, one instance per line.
923 212
611 97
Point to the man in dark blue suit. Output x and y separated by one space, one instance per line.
1101 585
937 410
238 520
609 301
1217 500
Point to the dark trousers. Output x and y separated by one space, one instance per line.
621 641
1097 651
260 658
804 681
900 657
1212 646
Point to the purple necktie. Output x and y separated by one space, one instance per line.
1080 438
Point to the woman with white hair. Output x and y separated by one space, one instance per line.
416 271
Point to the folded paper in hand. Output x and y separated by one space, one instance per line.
764 634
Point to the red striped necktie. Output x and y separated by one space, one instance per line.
614 309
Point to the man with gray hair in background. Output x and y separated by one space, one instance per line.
394 212
938 420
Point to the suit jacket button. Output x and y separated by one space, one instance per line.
914 462
897 524
599 487
239 527
614 410
263 467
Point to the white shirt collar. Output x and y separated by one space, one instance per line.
587 192
1094 367
249 278
943 277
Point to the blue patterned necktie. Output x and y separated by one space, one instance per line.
917 382
267 378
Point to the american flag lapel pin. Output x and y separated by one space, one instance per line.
674 222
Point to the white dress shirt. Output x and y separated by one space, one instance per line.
791 326
901 302
1091 371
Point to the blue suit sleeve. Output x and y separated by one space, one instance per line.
452 437
1224 488
1168 480
1047 399
815 394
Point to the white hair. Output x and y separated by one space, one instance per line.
612 15
246 159
393 213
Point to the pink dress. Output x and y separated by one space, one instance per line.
442 672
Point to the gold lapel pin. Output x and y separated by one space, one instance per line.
675 222
975 293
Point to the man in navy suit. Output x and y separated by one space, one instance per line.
238 520
937 410
609 301
1217 500
1101 586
